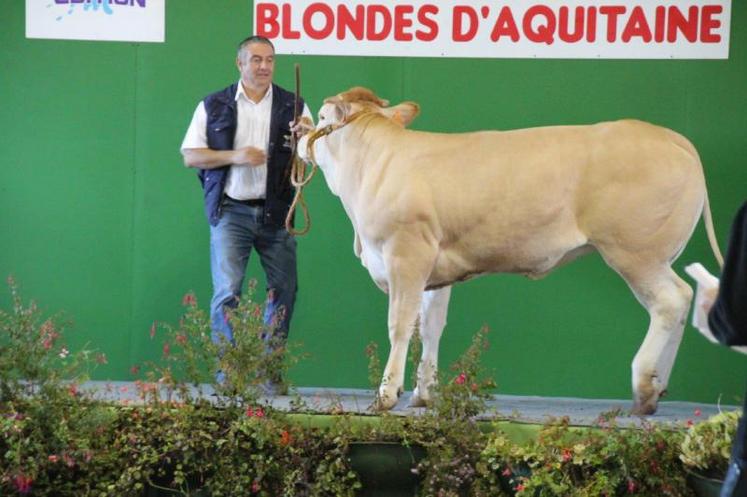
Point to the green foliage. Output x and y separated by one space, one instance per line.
55 441
706 447
605 461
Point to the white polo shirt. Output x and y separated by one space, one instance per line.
244 181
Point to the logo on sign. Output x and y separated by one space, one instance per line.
95 5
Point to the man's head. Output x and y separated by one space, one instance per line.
256 62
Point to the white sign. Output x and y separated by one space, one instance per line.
112 20
585 29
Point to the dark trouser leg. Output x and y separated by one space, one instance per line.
735 482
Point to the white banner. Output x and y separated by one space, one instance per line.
112 20
585 29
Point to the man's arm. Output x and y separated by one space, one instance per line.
197 154
207 158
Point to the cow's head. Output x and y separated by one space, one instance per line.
343 106
339 110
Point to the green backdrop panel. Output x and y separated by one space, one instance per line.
101 220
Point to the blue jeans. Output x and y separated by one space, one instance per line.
240 229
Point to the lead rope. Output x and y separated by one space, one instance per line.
298 176
297 170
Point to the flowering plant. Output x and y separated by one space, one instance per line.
706 447
606 461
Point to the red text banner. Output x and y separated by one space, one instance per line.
626 29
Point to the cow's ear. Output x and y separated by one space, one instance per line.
403 114
342 110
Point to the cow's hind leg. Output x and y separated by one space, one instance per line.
433 312
667 299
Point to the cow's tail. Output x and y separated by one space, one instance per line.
708 220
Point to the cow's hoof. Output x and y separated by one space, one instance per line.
645 401
417 401
645 407
383 403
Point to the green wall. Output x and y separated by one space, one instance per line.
99 219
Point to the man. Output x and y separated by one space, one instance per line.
726 308
239 141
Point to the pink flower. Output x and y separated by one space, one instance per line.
72 389
519 487
567 455
689 423
53 458
460 379
153 330
189 300
23 483
134 370
506 472
181 339
632 487
166 349
252 412
698 412
69 461
255 486
47 343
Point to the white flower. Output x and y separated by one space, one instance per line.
64 353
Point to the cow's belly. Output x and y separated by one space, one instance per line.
533 258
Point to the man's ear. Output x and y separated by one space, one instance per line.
403 114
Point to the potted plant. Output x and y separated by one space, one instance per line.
606 460
705 451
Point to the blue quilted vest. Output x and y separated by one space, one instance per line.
221 130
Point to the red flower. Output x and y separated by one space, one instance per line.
460 379
134 370
255 486
519 487
259 413
23 483
285 438
189 300
72 389
181 339
53 458
689 423
698 412
506 472
166 349
567 455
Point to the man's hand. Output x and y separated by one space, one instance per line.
249 155
304 126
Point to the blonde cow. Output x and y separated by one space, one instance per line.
433 209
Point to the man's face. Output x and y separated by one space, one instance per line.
256 63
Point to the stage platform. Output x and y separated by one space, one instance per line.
509 408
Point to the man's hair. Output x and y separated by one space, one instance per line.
254 39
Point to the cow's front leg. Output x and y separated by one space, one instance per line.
407 276
433 312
